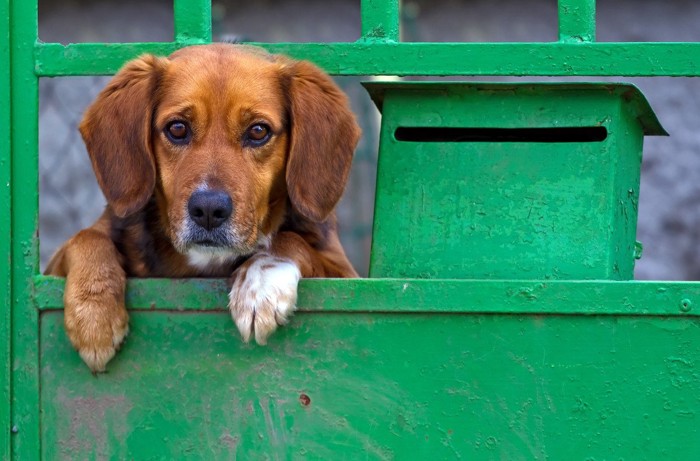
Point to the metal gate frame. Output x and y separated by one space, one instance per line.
25 293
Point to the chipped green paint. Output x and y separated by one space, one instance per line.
23 224
5 235
383 386
576 21
380 20
363 296
377 57
540 181
376 368
192 21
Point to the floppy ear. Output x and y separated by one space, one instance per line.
323 135
116 129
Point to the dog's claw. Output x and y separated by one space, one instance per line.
96 359
244 322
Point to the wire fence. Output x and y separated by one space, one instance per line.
69 197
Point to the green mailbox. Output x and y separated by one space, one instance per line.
508 181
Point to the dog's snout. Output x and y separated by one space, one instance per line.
210 208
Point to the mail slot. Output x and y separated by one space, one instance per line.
508 181
435 134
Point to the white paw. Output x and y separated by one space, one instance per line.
263 296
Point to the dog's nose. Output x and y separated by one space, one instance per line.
210 208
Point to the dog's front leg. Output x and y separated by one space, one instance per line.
95 317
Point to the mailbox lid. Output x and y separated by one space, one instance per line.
567 104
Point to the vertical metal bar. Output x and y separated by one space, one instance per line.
192 21
380 20
26 442
576 20
5 236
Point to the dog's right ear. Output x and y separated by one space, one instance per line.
116 129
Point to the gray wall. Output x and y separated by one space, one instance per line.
669 224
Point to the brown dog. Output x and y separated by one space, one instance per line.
220 160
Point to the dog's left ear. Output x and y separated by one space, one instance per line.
323 137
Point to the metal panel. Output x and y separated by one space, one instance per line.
382 386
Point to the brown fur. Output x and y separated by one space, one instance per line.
285 189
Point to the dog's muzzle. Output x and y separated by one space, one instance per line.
209 225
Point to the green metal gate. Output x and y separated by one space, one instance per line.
379 368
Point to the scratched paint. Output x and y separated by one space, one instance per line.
380 386
491 208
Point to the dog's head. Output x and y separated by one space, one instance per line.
223 136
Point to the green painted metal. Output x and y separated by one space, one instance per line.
5 235
576 20
354 386
323 296
387 58
380 20
377 368
24 225
56 60
538 208
192 21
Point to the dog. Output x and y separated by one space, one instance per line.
219 160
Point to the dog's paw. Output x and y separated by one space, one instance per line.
263 296
96 324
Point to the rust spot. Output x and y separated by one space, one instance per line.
305 400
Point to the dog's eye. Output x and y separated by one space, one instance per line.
257 135
177 132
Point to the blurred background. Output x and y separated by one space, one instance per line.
669 217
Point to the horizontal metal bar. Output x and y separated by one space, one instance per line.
56 60
420 296
383 58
